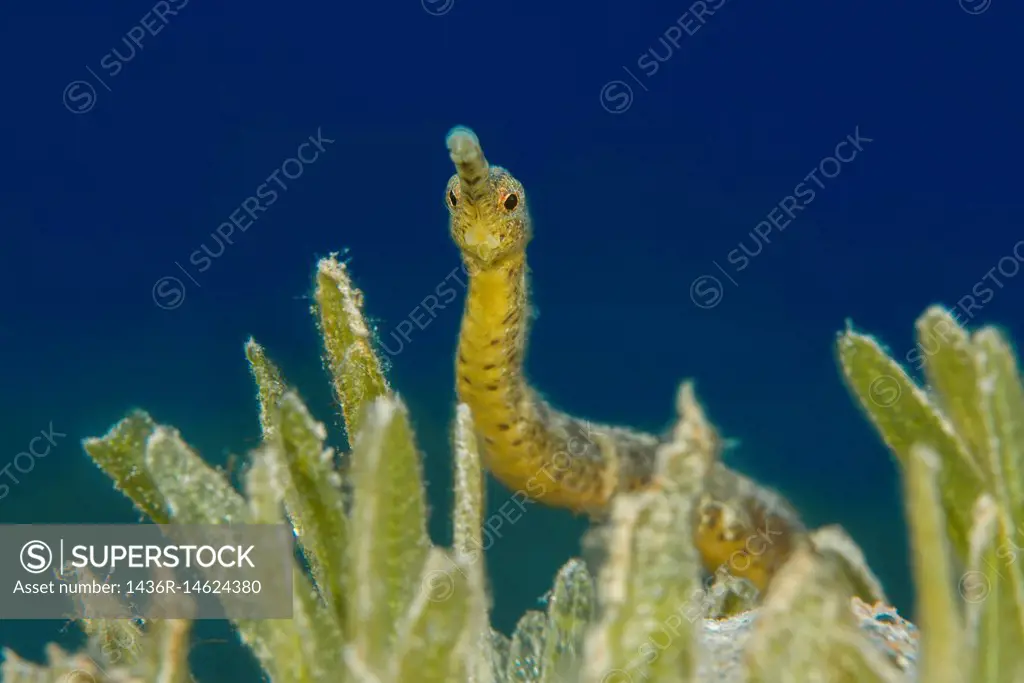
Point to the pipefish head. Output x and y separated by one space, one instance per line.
489 218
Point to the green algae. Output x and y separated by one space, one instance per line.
958 443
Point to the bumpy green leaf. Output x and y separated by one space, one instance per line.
943 644
120 455
500 650
570 610
467 519
1002 403
944 349
270 386
993 630
312 485
647 587
999 393
650 582
904 415
198 494
970 436
389 540
693 448
468 515
316 635
806 631
264 485
526 652
437 641
833 542
314 500
349 356
280 647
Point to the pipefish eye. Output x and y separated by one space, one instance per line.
511 201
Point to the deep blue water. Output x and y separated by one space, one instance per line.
645 177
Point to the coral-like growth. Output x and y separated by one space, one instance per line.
381 604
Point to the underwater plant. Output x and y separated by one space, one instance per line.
381 603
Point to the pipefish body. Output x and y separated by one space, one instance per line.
549 455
